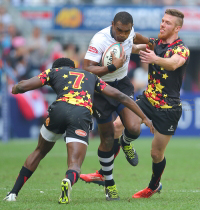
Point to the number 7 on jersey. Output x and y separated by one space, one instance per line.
78 80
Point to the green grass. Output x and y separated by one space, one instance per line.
181 182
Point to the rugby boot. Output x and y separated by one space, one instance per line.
111 193
65 191
147 192
130 153
10 197
95 178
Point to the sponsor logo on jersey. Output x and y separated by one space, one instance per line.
92 49
80 133
47 121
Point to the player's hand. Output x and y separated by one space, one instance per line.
118 62
151 44
148 57
14 89
148 123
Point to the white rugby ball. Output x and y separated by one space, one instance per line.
116 48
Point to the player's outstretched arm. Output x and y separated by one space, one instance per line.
169 64
26 85
129 103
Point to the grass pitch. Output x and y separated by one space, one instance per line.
181 179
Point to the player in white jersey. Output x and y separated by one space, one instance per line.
121 31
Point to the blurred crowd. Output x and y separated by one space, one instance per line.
28 56
104 2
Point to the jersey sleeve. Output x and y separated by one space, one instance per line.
100 85
95 49
182 50
46 76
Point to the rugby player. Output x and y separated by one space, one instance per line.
71 114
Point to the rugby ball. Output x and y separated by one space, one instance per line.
116 48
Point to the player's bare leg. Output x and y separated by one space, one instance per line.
98 177
30 166
159 145
76 153
131 132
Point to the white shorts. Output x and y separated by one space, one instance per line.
53 137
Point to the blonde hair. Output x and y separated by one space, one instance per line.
176 13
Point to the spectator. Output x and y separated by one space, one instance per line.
5 18
140 78
36 44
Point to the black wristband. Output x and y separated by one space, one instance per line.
151 41
111 68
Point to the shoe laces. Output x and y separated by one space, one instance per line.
112 191
129 151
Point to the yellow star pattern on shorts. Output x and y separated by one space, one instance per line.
150 88
149 76
162 68
76 93
47 71
70 82
65 88
154 81
65 76
159 87
154 72
164 76
165 96
88 96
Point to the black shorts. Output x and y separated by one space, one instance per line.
165 121
74 120
104 106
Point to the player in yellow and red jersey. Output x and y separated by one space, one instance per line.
70 113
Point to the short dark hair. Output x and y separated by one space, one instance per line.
124 17
176 13
60 62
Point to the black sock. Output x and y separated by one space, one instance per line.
73 176
24 175
116 148
127 138
157 169
106 160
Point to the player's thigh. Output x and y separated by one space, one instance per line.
78 121
44 146
130 120
56 120
165 121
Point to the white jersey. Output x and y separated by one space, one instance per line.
98 45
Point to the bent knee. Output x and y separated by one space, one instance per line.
157 156
134 129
